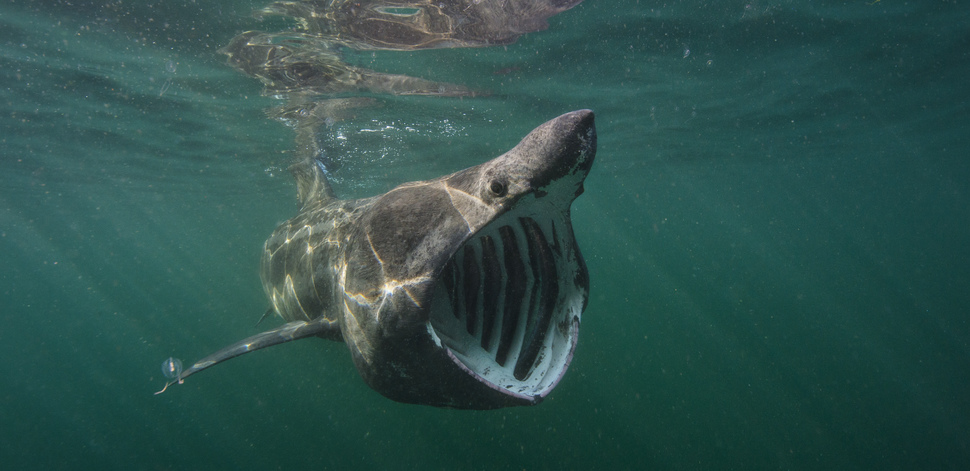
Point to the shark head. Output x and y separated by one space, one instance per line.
467 290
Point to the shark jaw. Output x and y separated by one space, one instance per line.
508 303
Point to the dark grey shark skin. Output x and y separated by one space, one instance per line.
465 291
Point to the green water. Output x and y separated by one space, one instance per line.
777 228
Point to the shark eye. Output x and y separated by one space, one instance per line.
498 188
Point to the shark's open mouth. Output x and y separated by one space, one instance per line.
508 303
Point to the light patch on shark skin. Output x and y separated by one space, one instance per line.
362 343
275 251
332 241
309 234
291 300
475 212
407 185
387 291
451 199
373 250
384 291
203 364
299 233
391 286
361 299
341 271
276 301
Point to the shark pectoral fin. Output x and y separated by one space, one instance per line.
285 333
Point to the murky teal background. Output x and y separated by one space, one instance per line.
777 228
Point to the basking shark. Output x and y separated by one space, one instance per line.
464 291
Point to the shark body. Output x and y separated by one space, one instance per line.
464 291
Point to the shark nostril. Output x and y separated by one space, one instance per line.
498 188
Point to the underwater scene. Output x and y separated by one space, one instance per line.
484 234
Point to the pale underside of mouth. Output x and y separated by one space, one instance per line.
507 305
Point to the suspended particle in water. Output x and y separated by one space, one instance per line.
172 368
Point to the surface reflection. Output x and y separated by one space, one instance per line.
304 65
405 25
